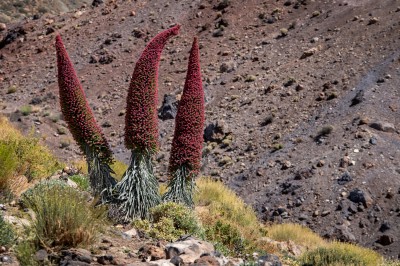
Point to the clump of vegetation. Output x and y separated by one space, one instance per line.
25 251
63 216
341 254
169 221
26 110
277 147
297 233
82 181
227 238
20 155
6 233
228 221
326 130
12 89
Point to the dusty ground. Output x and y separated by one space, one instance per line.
275 74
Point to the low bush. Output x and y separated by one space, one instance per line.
82 182
63 216
20 155
226 237
6 233
338 253
221 210
297 233
26 110
8 165
169 221
25 252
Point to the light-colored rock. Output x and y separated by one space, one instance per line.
131 233
72 183
189 250
19 222
3 26
161 263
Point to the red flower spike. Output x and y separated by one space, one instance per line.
141 130
188 136
76 110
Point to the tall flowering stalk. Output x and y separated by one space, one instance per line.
82 124
138 190
185 158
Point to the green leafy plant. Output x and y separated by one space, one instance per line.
169 221
25 252
20 155
82 181
226 237
6 233
26 110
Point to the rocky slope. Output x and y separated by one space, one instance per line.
302 99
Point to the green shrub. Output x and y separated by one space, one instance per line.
170 221
341 254
25 252
63 216
26 110
82 181
20 155
221 212
226 238
297 233
8 164
12 89
6 233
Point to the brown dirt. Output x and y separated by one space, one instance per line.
352 53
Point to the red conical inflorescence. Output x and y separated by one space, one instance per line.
141 130
76 110
188 136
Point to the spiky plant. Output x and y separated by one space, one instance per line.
138 190
82 124
185 158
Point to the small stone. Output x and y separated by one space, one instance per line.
345 178
131 233
78 14
373 20
6 259
286 165
250 78
321 163
383 126
41 255
360 196
309 52
3 27
325 213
